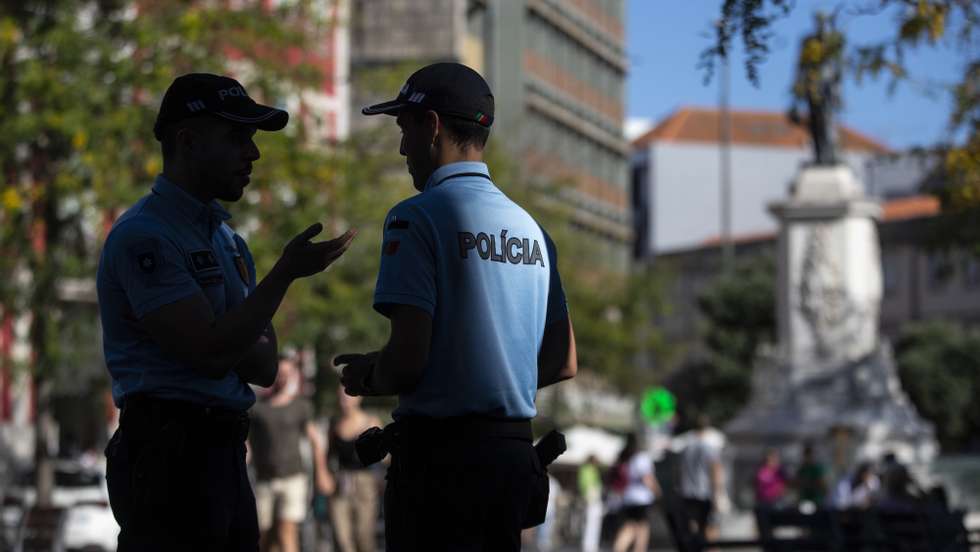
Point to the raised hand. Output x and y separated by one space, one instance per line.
356 372
301 257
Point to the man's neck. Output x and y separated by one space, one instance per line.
456 155
185 182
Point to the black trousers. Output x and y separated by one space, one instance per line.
177 479
462 490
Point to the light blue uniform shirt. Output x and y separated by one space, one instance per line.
483 268
167 247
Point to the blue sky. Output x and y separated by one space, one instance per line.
665 38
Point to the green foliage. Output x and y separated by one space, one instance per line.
740 313
937 363
79 84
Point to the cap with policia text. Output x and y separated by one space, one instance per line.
203 93
447 88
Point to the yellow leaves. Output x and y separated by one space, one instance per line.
79 140
813 52
9 33
11 200
191 21
937 26
963 171
929 18
152 165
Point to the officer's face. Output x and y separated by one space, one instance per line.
418 133
222 157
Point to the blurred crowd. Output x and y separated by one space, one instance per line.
621 507
313 494
311 490
885 484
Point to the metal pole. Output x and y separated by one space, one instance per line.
725 170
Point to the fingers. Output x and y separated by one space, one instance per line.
350 378
305 235
346 237
342 242
346 358
330 250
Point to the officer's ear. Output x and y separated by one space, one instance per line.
432 124
190 136
186 141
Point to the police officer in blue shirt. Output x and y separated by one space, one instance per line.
469 282
186 328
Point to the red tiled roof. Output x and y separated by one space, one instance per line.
910 207
763 128
920 206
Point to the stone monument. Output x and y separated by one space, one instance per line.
831 379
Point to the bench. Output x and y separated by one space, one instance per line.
788 529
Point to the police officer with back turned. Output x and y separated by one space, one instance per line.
469 282
186 329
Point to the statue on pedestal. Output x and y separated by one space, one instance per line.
830 375
818 85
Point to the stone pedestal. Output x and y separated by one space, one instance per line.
830 379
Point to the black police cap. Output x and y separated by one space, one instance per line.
197 94
448 88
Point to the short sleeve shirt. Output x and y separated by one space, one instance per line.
167 247
697 460
485 270
637 493
275 434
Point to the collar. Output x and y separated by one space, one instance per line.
452 169
207 216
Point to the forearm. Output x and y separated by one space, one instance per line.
557 359
260 363
238 329
317 449
320 462
395 372
717 481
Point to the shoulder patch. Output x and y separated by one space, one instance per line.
391 247
398 224
146 254
203 259
147 261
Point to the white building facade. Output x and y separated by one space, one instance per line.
676 172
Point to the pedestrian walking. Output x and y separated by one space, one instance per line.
771 481
590 487
354 502
702 479
641 489
280 422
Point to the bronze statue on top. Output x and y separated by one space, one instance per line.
818 85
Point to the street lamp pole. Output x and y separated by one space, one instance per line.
725 169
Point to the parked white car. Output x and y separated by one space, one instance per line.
79 489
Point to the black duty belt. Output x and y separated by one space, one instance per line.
157 410
470 426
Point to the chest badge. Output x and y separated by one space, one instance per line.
203 259
242 269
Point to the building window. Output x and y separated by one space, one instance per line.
889 276
971 271
940 270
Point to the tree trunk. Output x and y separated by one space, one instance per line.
43 303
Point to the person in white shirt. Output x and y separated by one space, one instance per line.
638 497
